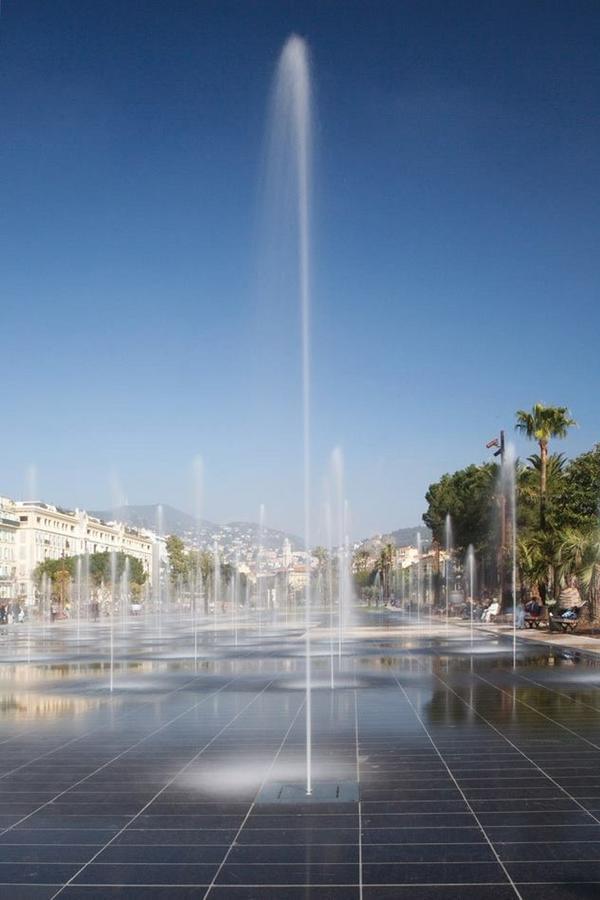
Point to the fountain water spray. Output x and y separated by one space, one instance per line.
234 596
113 592
329 530
509 487
292 132
471 581
448 540
31 482
337 465
158 585
259 563
419 576
216 581
125 588
198 479
86 581
78 590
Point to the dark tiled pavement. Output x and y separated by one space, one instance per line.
477 780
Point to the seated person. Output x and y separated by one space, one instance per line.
491 612
569 603
533 607
478 611
568 613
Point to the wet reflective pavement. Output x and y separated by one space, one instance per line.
476 780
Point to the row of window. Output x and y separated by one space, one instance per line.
64 526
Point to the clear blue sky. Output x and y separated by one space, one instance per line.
457 259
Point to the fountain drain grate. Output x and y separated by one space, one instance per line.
322 792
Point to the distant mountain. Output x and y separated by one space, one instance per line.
407 537
271 539
231 536
402 537
173 521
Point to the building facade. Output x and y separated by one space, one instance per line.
9 524
45 532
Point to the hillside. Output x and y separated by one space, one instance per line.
175 521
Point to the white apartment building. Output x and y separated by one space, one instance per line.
9 524
49 532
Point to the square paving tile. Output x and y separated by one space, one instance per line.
438 773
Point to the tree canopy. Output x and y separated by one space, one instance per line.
468 495
558 529
64 570
542 424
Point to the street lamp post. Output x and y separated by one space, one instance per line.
499 443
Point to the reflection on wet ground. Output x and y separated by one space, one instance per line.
478 778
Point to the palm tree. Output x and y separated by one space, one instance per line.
541 424
529 482
322 557
361 560
205 567
555 466
384 567
538 561
579 556
62 582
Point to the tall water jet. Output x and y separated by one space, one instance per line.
78 589
509 490
419 576
235 582
291 141
428 588
347 570
196 571
113 592
125 589
44 610
337 466
86 582
158 572
448 542
471 582
259 564
216 581
329 530
31 482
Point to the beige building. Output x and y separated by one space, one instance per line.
49 532
9 524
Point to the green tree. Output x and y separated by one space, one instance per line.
579 496
362 570
384 565
100 568
62 584
361 560
322 557
528 492
201 565
538 561
51 568
469 496
579 558
541 424
179 562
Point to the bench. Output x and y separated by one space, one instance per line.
533 620
559 623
